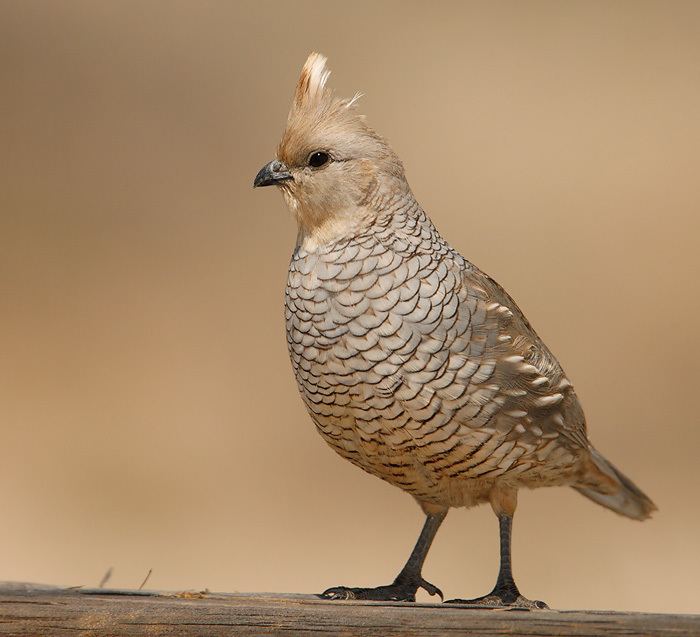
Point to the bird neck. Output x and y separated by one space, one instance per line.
384 209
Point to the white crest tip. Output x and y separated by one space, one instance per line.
354 99
312 80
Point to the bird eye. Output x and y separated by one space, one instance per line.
317 159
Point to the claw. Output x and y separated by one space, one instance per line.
431 589
495 601
338 592
399 591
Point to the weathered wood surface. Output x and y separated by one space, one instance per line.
39 611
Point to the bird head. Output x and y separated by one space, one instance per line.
330 164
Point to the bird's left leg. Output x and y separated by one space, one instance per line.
408 581
505 593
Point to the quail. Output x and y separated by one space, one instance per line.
414 364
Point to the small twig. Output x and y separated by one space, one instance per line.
105 577
145 579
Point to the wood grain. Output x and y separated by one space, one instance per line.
38 610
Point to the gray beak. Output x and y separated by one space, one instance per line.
272 173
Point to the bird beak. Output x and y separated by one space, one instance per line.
272 173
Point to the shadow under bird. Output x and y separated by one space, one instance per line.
413 364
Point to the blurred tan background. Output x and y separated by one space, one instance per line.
148 413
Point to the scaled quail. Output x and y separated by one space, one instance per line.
413 364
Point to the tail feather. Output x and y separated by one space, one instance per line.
605 484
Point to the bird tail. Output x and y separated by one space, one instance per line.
609 487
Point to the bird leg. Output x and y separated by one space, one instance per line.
408 581
505 593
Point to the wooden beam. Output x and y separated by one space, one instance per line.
39 610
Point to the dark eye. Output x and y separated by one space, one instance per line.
317 159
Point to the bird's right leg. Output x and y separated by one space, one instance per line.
505 593
408 581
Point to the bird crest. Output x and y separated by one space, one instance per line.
311 92
316 108
311 88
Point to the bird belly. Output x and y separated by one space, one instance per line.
450 465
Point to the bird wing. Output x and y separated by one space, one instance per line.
537 392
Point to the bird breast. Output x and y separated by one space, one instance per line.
413 370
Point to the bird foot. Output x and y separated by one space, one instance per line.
502 600
399 591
